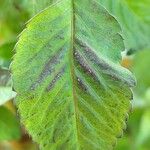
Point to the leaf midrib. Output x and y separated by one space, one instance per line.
72 71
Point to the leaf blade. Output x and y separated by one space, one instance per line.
62 69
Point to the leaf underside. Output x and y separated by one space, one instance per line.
72 92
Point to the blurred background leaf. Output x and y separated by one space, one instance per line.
134 17
35 6
6 92
141 69
9 126
144 130
6 53
12 21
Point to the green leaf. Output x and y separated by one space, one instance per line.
6 50
147 96
6 53
6 92
134 17
72 92
129 141
35 7
12 19
9 126
144 132
4 77
140 67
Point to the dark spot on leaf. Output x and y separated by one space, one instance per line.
81 84
56 78
49 68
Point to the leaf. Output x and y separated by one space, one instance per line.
72 92
6 92
4 77
4 50
140 67
134 17
12 19
6 53
35 6
9 126
132 132
144 132
147 96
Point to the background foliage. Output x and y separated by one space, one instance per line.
134 17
